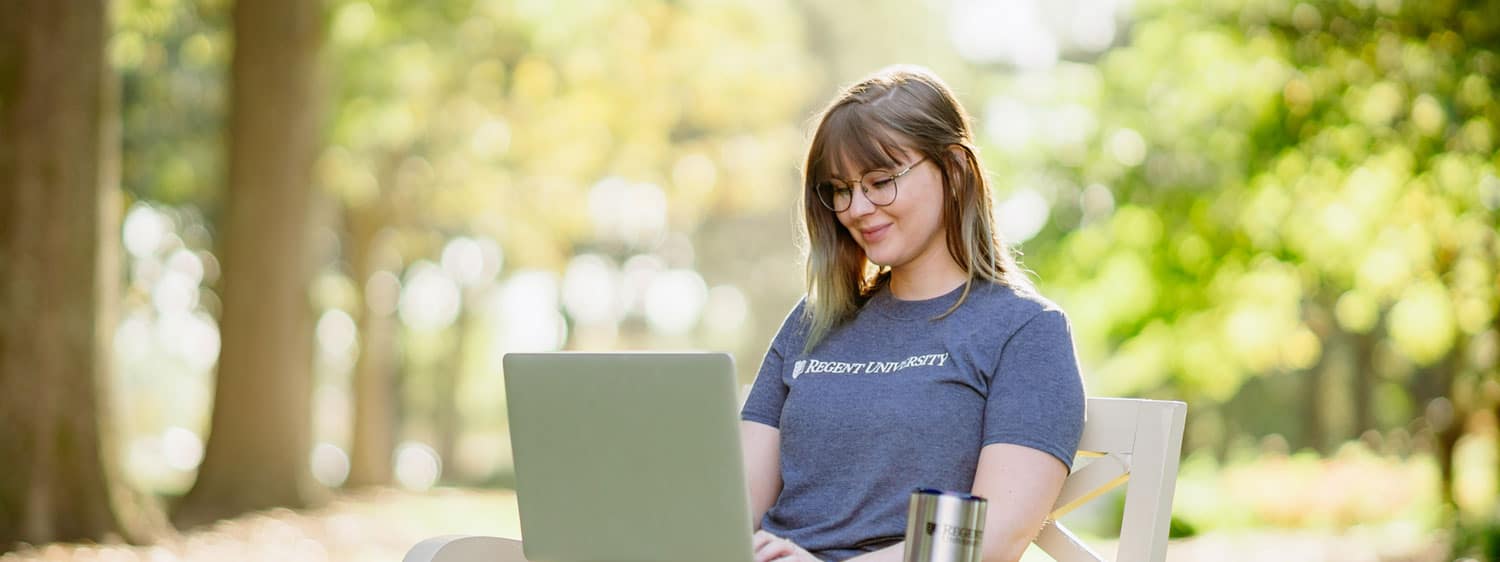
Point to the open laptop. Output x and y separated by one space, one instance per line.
628 456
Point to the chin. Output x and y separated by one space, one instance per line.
882 259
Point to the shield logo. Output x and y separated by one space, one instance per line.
797 368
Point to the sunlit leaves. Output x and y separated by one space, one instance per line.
1422 323
353 24
1343 151
171 57
1262 317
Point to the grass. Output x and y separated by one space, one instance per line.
383 525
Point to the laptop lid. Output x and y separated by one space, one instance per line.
627 456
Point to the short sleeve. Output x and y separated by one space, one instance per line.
1036 398
768 392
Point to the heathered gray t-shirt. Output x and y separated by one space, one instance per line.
892 401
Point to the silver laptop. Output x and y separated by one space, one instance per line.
628 456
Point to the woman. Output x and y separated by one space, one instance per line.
921 356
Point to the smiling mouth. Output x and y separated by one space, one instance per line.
874 233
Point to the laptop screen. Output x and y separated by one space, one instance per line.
627 456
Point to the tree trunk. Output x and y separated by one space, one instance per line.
59 280
374 440
1363 387
1319 318
1449 427
1312 408
445 403
258 446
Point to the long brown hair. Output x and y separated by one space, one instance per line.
867 126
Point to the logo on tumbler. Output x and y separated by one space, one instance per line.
957 534
797 368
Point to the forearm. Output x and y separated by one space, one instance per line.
1007 534
1005 546
1021 484
760 445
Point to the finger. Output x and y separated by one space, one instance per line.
761 538
771 554
774 550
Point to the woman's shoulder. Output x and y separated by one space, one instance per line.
794 327
1008 300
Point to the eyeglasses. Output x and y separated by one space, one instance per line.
879 187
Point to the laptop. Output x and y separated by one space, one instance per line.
628 456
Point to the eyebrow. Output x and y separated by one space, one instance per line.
886 167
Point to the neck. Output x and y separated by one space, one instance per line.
915 282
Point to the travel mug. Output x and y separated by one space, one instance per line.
945 527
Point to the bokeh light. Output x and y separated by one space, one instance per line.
1022 215
337 335
181 448
144 230
674 300
591 289
430 299
527 306
417 466
330 464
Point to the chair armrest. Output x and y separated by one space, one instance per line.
466 548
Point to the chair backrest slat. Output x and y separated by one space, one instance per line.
1153 479
1110 425
1140 441
1087 483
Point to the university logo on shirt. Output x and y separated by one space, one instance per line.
816 367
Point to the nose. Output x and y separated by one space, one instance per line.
859 203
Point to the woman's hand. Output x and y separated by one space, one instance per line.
769 548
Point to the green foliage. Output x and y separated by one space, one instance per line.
499 117
172 57
1181 529
1477 540
1284 177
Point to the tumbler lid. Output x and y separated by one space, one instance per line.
937 492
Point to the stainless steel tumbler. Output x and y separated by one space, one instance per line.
945 527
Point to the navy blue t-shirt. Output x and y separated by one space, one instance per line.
892 400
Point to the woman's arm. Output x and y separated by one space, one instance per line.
1021 485
761 445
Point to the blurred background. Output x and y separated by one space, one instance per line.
265 257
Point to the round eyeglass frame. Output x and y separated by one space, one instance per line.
864 187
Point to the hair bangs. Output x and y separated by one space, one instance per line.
855 141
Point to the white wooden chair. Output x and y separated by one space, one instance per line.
1135 440
1138 441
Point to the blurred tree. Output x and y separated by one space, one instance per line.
173 60
373 262
502 120
1286 203
59 280
258 445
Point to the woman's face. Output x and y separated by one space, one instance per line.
908 231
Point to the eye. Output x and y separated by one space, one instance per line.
832 188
